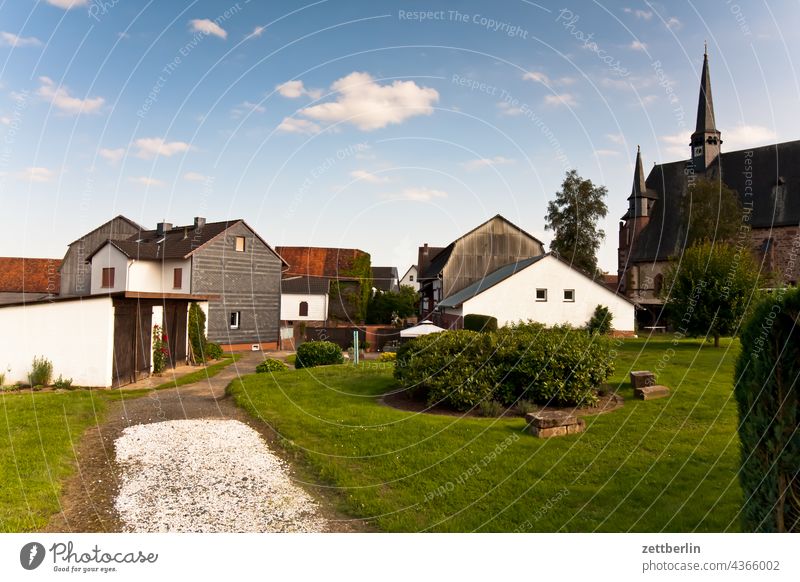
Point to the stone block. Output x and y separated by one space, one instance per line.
553 423
642 378
651 392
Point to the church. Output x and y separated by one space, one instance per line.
766 178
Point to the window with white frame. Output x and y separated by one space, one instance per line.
541 295
569 295
236 317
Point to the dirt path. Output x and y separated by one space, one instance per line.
88 499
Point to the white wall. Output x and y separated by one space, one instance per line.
515 298
109 256
76 336
156 276
317 307
406 280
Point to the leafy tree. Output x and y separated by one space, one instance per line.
711 211
387 307
711 289
601 321
573 216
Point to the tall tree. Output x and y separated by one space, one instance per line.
711 212
710 289
573 216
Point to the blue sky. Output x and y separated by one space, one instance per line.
376 125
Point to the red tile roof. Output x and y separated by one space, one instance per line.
20 275
319 262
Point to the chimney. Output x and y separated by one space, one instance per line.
199 222
163 227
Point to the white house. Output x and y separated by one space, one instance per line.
410 278
129 266
545 289
304 299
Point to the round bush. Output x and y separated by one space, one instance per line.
318 353
213 351
387 357
271 365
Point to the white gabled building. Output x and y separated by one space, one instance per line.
304 299
410 278
544 289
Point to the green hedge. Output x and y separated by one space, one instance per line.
559 365
767 390
271 365
478 322
318 353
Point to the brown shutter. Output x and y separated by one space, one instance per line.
108 277
177 278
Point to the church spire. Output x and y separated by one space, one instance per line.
706 139
638 176
639 200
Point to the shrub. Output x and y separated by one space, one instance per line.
560 365
271 365
197 333
160 350
490 409
2 378
767 391
63 383
477 322
600 322
387 357
318 353
41 371
523 407
213 351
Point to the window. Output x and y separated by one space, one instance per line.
239 244
303 309
411 278
177 278
541 295
108 277
569 295
235 319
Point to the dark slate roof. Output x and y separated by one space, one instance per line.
385 278
705 104
486 282
305 286
770 166
437 263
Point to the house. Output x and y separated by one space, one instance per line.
545 289
99 340
227 261
75 269
385 279
347 270
24 279
445 271
767 180
410 279
304 299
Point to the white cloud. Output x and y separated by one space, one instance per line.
195 177
637 45
246 107
112 156
123 35
294 125
677 145
366 176
421 194
484 162
601 153
641 14
674 23
295 89
649 99
36 174
5 120
206 26
616 138
11 39
563 99
539 77
368 105
60 98
68 4
257 31
745 136
147 181
507 109
150 147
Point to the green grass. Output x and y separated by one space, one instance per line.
663 465
38 434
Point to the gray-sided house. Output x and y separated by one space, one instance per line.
226 261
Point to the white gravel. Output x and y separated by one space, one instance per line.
207 476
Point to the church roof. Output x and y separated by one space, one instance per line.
705 103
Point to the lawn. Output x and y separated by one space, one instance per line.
39 432
663 465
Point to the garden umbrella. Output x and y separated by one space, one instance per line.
423 328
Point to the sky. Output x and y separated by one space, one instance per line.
374 125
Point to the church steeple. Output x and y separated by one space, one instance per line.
638 201
706 139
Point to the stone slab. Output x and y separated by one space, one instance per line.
651 392
550 418
555 431
642 378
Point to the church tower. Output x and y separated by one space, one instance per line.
706 139
640 204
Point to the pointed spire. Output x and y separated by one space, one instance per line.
705 105
639 186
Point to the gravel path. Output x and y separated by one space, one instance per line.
207 476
